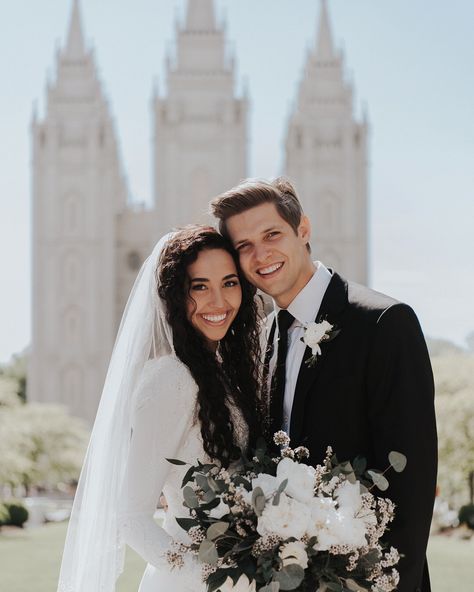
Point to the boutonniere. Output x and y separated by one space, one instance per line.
315 334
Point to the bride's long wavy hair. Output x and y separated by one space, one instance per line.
234 371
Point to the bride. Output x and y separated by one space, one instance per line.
182 383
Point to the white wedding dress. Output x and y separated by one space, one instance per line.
164 425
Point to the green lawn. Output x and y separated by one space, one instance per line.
29 562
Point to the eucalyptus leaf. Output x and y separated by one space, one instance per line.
379 480
359 464
216 530
271 587
290 577
335 586
354 586
202 482
209 496
190 497
175 461
208 552
186 523
188 476
398 461
282 486
258 500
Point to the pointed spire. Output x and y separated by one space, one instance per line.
75 46
200 15
324 43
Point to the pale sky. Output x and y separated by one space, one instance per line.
412 65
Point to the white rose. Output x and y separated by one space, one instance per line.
288 519
294 553
322 519
219 510
243 584
301 479
349 529
348 496
268 484
334 526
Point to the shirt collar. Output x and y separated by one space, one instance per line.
305 306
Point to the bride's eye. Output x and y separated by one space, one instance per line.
198 287
231 283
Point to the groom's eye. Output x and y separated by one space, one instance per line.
273 234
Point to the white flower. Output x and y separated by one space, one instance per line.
219 510
301 479
288 519
294 553
348 496
243 584
314 333
334 526
268 483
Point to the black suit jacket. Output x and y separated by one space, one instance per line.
371 391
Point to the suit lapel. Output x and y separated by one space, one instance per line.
331 309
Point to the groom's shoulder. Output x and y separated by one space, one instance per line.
373 306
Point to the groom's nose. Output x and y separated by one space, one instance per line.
261 252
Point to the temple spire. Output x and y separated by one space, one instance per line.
324 42
75 46
200 15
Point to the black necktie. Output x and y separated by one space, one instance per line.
277 389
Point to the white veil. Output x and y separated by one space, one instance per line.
94 549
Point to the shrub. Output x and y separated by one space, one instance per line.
4 514
18 514
466 515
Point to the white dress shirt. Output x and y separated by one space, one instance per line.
304 307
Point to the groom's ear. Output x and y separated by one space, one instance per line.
304 229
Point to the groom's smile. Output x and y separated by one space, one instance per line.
270 271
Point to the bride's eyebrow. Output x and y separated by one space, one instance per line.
230 275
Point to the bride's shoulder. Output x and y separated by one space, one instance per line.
163 375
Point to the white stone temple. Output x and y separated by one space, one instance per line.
89 241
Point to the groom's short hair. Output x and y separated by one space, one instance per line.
254 192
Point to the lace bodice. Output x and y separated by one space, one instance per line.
163 426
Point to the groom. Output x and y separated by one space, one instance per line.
370 390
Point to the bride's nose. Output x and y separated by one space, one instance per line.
217 298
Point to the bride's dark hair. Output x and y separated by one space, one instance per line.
234 371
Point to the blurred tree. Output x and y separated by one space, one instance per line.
454 377
17 370
40 445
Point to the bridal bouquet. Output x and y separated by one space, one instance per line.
280 524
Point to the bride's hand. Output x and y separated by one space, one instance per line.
163 503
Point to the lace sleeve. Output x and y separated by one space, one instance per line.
164 407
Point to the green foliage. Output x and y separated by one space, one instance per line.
17 513
40 445
16 370
466 515
4 514
454 377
